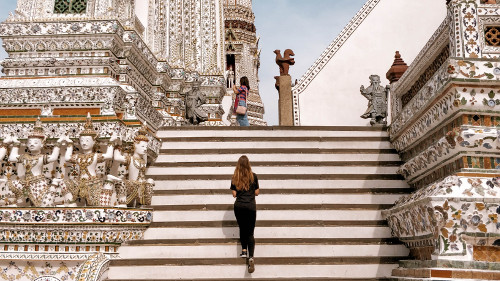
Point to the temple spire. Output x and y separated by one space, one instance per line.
397 69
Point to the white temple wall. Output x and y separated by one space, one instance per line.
333 97
141 11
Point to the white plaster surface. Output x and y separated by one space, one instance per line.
270 232
344 131
333 97
227 101
282 144
228 250
141 11
281 198
278 157
285 170
280 184
361 271
267 215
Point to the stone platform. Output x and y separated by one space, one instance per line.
65 243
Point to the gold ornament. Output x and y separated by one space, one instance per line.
142 134
89 128
37 130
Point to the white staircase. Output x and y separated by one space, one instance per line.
319 212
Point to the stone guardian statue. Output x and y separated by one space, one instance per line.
377 101
194 101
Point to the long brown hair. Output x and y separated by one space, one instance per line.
244 82
243 175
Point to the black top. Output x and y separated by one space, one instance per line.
246 198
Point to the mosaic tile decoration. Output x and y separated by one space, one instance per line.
453 215
65 216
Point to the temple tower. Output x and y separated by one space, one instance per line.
189 36
242 54
152 60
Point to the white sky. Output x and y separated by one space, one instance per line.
305 26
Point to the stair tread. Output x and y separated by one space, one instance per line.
282 164
262 261
273 241
277 207
262 223
194 150
224 191
266 279
283 177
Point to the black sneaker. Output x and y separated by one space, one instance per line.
243 254
251 265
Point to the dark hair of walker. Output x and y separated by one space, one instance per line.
244 82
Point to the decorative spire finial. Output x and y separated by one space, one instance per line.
397 69
88 128
142 134
37 130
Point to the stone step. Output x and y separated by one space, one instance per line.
227 177
319 213
282 207
224 191
277 279
271 223
242 145
188 141
270 232
223 269
275 151
262 159
270 184
260 170
273 132
264 251
305 138
167 200
268 215
268 241
330 164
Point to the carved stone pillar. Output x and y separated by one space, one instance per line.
285 101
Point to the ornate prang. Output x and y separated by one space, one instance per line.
242 58
377 101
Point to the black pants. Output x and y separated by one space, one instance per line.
246 221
